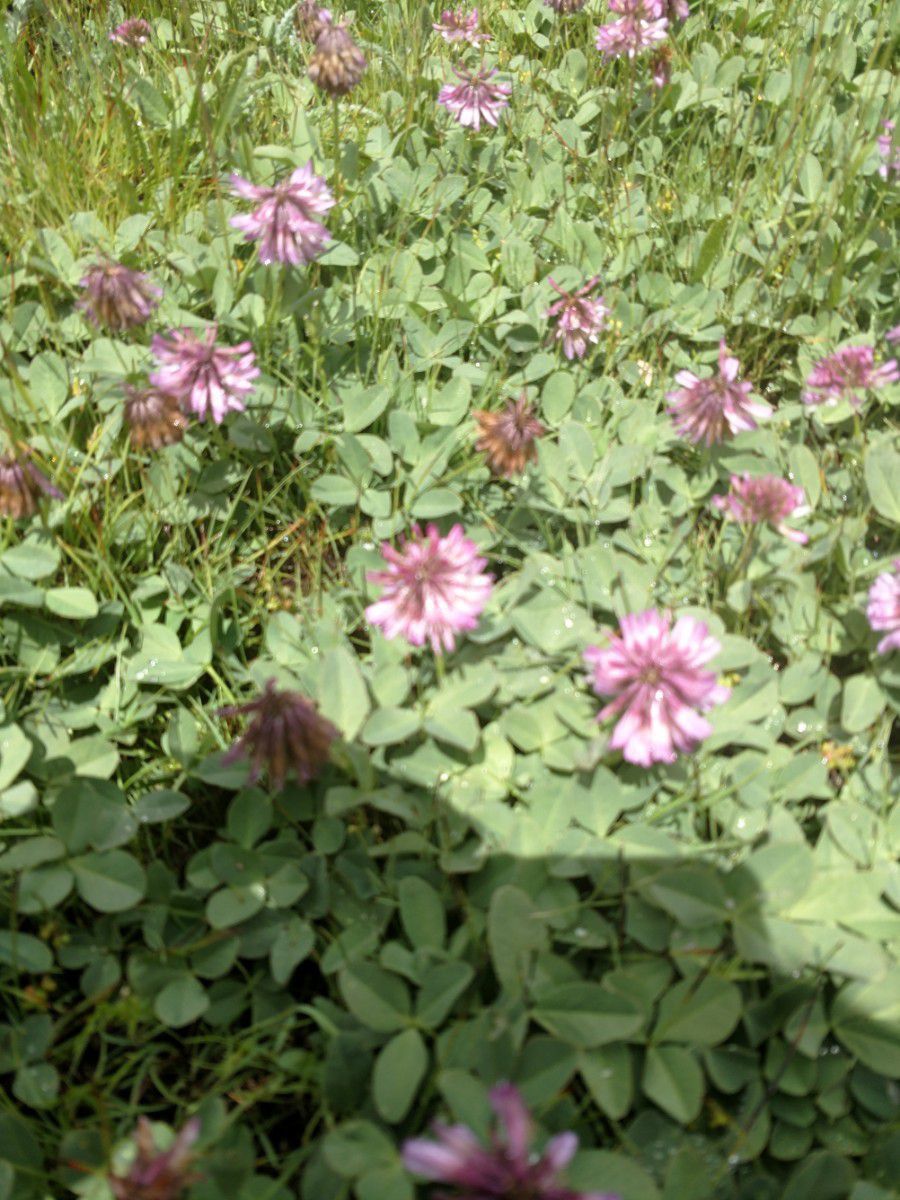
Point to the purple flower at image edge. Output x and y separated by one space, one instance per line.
211 380
133 32
716 407
893 335
158 1174
889 150
652 670
21 485
506 1167
460 25
846 375
475 100
579 317
884 608
755 500
285 221
642 25
433 588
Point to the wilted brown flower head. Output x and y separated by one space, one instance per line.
157 1174
20 485
285 734
117 297
311 19
337 63
661 65
155 418
507 437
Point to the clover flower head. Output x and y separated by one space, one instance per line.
884 608
285 733
765 499
460 25
642 24
506 1169
337 64
508 437
579 317
475 100
117 297
433 588
134 32
285 220
848 374
21 485
653 670
157 1174
209 379
716 407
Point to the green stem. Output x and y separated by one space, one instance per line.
336 146
744 555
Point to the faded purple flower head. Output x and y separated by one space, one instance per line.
209 379
157 1174
21 484
893 335
155 418
847 375
310 19
715 408
475 99
508 437
642 24
579 318
117 297
506 1169
884 608
133 32
337 63
661 66
653 671
285 733
460 25
754 500
889 151
285 221
434 588
564 7
677 10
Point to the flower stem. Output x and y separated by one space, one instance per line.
336 147
744 554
